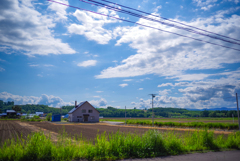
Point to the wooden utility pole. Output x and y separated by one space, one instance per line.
125 116
153 95
238 112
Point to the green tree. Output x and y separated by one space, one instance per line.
49 117
16 108
204 113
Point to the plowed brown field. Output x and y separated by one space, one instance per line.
90 131
11 129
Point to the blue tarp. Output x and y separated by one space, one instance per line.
56 117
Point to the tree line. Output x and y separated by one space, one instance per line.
159 112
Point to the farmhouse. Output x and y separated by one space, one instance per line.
83 112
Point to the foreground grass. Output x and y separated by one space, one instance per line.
114 146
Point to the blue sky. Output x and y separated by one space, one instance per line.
53 54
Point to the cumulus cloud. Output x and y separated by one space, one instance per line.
60 10
87 63
123 85
140 89
50 100
165 84
24 29
92 25
205 4
172 56
200 94
102 103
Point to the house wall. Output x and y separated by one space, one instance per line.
70 117
77 116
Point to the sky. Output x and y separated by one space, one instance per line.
53 54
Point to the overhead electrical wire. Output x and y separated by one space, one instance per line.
145 25
167 19
154 20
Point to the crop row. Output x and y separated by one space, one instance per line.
188 124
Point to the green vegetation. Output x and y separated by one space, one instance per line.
114 146
33 119
49 117
188 124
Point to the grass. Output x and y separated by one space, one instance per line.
191 123
228 126
114 146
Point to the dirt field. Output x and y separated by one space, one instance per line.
89 131
11 129
14 129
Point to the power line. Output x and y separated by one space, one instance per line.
145 25
154 20
167 19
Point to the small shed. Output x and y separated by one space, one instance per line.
56 117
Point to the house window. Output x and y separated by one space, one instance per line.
90 111
92 117
83 111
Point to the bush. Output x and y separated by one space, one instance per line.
49 117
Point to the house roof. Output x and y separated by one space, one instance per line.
11 111
79 105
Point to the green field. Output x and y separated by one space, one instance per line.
221 123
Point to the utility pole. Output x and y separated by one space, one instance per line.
238 112
125 116
153 95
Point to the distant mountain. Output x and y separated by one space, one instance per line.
213 109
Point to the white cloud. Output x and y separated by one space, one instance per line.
102 103
2 60
127 80
157 8
50 100
48 65
99 91
59 9
24 29
114 61
210 93
96 96
123 85
164 92
168 55
87 63
92 25
2 69
205 4
165 84
140 89
40 75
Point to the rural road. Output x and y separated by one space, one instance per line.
233 155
